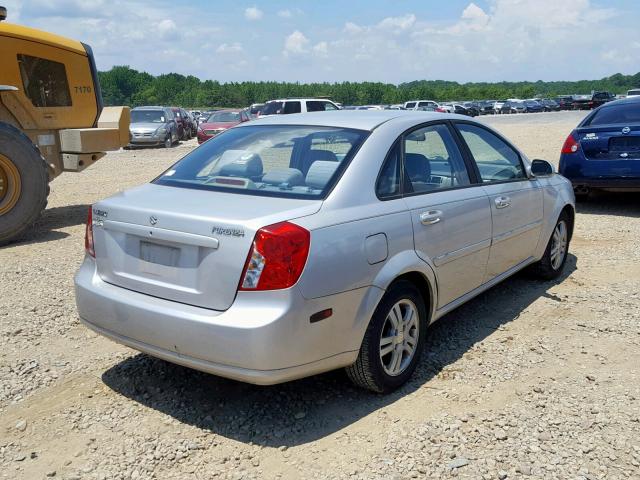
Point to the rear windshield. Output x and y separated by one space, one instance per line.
224 117
613 114
269 160
147 116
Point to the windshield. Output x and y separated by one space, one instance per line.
223 117
269 160
625 113
272 108
148 116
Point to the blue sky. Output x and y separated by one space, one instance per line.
331 40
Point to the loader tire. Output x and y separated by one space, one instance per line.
24 183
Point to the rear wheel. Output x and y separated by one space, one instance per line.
24 183
393 341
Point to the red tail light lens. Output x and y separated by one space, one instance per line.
441 110
88 235
570 145
277 257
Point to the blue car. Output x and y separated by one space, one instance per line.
603 152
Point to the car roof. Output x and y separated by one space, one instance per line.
632 99
358 119
150 107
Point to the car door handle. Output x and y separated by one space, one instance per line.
502 202
430 217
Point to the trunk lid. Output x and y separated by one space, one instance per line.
609 151
184 245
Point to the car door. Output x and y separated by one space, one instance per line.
516 201
450 214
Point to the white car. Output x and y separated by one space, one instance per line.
286 106
418 104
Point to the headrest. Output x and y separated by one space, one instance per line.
290 176
417 167
323 155
248 166
320 173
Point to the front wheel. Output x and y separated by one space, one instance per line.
552 263
393 341
168 142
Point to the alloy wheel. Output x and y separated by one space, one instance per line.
559 245
399 337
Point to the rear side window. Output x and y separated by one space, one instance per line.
292 107
616 114
496 161
388 184
432 161
45 81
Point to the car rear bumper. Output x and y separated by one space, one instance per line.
612 184
264 338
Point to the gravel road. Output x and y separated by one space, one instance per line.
529 380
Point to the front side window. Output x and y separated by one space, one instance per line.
329 106
268 160
45 81
432 161
496 160
315 106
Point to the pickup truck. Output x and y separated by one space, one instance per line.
588 102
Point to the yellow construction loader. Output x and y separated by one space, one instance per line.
52 120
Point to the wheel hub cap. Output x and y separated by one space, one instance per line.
399 337
10 185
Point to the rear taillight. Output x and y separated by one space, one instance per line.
88 235
441 110
277 257
570 145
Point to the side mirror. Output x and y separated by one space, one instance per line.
541 168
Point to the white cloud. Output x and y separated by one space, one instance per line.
167 29
229 48
295 44
398 23
253 13
352 28
285 13
321 49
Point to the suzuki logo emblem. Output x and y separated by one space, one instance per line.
153 220
626 130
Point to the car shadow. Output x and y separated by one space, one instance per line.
610 203
305 410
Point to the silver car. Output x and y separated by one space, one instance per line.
297 244
152 126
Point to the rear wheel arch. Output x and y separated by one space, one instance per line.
424 287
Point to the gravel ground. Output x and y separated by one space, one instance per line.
529 380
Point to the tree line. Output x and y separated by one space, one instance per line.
123 85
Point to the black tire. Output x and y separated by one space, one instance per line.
168 142
544 269
368 371
34 183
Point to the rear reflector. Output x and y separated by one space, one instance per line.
321 315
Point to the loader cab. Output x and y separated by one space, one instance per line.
55 77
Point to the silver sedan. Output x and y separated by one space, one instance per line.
303 243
